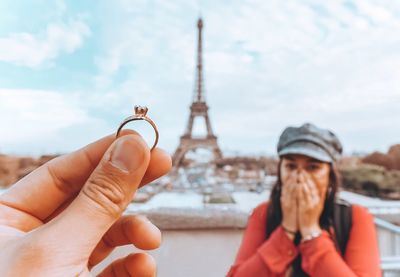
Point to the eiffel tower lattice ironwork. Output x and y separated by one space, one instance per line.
198 108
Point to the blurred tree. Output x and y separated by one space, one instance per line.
378 158
394 154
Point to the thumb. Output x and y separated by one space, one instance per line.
105 195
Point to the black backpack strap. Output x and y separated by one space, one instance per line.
342 221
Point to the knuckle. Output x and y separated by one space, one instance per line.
109 241
107 192
60 183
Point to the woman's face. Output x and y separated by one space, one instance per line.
293 166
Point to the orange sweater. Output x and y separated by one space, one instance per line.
260 257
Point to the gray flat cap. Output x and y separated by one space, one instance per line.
311 141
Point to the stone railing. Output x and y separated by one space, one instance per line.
389 246
204 242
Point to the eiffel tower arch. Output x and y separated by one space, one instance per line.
198 109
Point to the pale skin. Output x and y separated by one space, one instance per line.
66 217
304 185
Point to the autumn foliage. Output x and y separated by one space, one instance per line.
390 160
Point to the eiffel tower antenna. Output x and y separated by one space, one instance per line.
199 67
198 108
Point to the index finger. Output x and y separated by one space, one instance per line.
49 186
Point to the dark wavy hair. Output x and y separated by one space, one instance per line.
274 213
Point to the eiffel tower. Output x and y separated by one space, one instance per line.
198 108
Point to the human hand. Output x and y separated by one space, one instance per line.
289 206
65 217
310 205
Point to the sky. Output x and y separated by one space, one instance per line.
71 71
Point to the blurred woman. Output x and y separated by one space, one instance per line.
303 230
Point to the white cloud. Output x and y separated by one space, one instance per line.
321 65
35 50
36 120
268 64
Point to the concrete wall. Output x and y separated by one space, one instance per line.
389 242
210 252
190 253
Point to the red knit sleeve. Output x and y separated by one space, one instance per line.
320 258
362 253
260 257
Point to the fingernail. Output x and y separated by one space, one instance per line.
127 154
